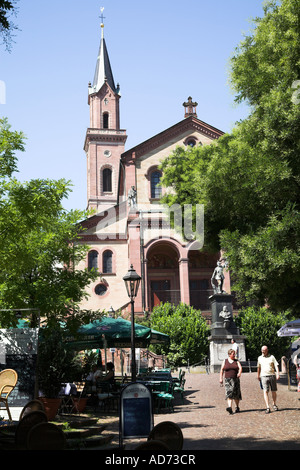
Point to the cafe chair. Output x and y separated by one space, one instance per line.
152 445
32 405
169 433
165 396
179 389
46 436
25 425
8 381
180 375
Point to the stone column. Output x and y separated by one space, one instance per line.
184 280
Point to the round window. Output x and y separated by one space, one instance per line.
100 289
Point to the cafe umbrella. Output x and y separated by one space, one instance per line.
113 333
291 328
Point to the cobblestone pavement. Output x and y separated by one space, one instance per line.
206 425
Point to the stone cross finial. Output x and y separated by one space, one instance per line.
190 107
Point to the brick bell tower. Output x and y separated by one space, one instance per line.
104 141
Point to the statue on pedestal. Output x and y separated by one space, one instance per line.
218 275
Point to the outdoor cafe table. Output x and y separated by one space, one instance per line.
156 376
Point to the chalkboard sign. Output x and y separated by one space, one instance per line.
136 414
18 351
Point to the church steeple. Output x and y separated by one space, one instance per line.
105 141
103 72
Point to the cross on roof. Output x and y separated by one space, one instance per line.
101 16
190 107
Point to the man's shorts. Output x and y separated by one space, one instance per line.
269 382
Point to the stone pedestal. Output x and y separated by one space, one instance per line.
223 330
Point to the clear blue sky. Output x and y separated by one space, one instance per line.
161 52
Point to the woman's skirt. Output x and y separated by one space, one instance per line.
233 389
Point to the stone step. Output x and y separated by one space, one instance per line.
84 432
81 432
89 442
76 421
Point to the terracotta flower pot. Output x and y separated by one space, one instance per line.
80 404
51 406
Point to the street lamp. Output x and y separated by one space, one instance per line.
111 312
132 282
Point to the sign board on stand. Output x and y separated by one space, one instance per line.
136 412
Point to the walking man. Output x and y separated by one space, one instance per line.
268 373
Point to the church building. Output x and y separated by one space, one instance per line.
128 226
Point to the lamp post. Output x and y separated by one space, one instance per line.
111 312
132 282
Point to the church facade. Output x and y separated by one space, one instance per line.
129 226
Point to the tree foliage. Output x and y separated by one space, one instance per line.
188 332
260 327
7 9
56 363
249 179
38 249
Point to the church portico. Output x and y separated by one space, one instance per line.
174 274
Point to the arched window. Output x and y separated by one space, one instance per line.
155 188
93 260
191 142
107 262
107 177
105 120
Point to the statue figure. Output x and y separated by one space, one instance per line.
227 315
132 197
219 277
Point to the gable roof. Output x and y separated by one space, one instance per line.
171 135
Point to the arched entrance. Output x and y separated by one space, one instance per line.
201 268
163 274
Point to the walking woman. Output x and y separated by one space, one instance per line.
231 369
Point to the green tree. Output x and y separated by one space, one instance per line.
260 327
10 143
7 9
249 180
188 332
38 249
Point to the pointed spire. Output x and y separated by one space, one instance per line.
103 72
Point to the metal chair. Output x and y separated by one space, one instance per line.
25 425
165 396
46 436
180 389
152 445
8 381
169 433
32 405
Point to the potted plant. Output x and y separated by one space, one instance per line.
55 367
